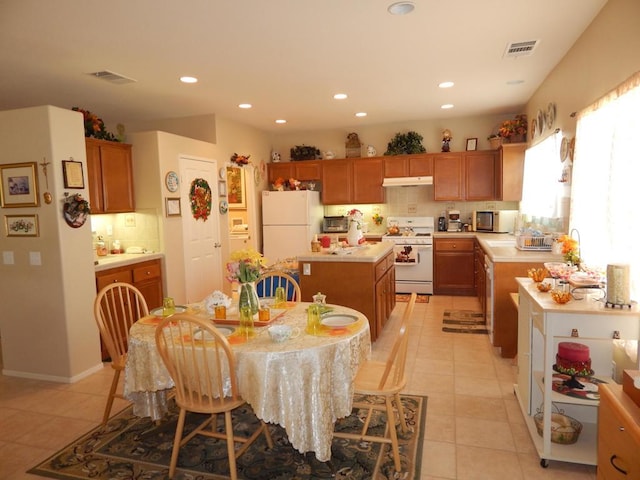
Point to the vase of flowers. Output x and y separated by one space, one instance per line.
245 267
570 250
514 131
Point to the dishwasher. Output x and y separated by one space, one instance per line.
488 296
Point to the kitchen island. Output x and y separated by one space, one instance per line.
362 278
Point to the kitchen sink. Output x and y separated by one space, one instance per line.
501 243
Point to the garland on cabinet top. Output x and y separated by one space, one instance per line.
94 127
240 160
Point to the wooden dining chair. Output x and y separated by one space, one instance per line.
266 286
116 307
384 379
201 363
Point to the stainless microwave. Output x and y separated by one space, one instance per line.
336 224
497 221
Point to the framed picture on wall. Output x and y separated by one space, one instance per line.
472 144
21 225
73 177
236 192
172 205
19 185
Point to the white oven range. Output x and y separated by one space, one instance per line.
413 253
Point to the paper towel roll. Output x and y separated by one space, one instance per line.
618 284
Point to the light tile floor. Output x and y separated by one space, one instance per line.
474 428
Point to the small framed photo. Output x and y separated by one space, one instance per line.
19 185
173 207
472 144
72 172
21 225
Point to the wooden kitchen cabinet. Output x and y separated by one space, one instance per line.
364 286
480 276
337 182
300 170
480 175
109 176
279 170
454 266
448 177
368 174
145 276
408 165
618 435
510 171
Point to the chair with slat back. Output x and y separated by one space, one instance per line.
267 284
385 379
202 364
117 307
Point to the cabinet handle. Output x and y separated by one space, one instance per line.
148 273
613 457
115 281
621 429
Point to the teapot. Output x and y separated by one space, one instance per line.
329 155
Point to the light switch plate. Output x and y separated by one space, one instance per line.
35 258
7 258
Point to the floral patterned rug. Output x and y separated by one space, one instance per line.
132 447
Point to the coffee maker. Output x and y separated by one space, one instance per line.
453 221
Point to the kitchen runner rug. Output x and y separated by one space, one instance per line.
132 447
463 321
404 297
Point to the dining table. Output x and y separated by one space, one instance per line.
303 384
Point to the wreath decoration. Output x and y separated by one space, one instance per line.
200 199
75 210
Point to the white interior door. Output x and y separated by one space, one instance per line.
201 239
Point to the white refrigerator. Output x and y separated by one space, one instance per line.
290 220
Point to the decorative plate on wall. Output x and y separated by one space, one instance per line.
564 149
171 181
551 115
540 120
224 206
534 128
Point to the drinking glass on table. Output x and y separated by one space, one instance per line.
281 298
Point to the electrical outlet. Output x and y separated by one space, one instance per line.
450 206
412 208
109 230
491 206
306 269
130 220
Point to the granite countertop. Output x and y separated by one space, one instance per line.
501 247
124 259
368 252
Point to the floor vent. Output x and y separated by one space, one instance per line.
112 77
521 49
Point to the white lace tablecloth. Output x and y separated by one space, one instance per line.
304 384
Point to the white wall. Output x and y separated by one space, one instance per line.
47 325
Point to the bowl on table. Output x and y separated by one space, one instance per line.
543 286
560 296
560 270
537 274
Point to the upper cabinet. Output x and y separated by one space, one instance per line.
408 165
464 176
510 171
110 176
368 174
300 170
337 181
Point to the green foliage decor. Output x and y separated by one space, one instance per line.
405 143
304 152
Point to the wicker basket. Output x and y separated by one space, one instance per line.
564 429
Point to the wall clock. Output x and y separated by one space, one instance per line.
171 181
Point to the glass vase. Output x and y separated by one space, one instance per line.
248 297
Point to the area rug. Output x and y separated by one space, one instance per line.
463 321
136 448
404 297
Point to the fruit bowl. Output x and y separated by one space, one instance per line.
543 286
560 296
537 274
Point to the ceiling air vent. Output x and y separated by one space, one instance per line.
112 77
521 49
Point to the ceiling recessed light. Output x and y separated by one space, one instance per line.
340 96
188 79
245 105
361 114
445 85
401 8
447 106
281 120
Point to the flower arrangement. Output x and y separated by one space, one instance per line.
570 249
282 184
94 126
377 218
240 160
245 266
517 126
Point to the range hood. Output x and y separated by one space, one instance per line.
407 181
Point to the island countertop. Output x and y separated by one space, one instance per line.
123 259
365 253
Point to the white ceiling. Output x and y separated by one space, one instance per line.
286 57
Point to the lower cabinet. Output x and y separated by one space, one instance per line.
363 286
145 276
618 435
454 266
